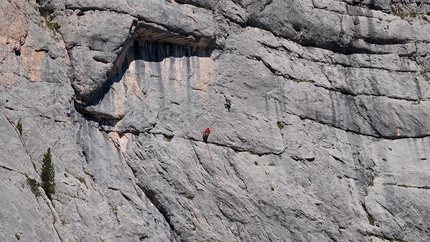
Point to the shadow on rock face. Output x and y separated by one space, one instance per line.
148 43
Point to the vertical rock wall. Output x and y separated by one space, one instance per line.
326 139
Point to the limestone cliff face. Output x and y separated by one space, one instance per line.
326 140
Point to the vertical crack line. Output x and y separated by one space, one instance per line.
394 217
54 213
215 179
161 209
151 195
198 158
238 175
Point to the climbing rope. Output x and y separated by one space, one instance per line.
215 178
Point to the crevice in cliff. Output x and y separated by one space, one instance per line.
372 221
195 152
267 3
58 233
52 118
6 168
406 186
237 173
329 45
347 92
83 10
377 135
330 60
152 196
341 161
54 212
331 125
382 237
393 216
343 91
386 209
350 93
239 149
370 218
208 5
24 145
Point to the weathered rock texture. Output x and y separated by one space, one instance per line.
326 140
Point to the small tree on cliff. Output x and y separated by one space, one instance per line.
48 174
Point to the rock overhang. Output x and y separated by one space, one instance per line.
141 33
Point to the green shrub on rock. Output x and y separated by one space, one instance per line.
48 174
19 127
33 186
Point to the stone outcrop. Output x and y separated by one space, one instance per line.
326 139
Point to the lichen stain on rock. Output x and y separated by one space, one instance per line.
32 60
173 73
14 33
118 96
120 141
7 80
175 64
206 66
132 82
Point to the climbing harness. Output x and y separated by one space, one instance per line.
215 178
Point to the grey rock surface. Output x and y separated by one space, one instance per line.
326 139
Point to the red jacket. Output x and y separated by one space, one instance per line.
207 131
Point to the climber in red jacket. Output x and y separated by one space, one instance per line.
206 134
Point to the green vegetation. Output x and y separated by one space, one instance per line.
48 174
48 15
390 184
82 180
409 17
17 236
405 15
53 26
371 220
19 126
403 185
406 186
371 182
34 186
302 80
238 4
255 163
339 176
369 216
280 125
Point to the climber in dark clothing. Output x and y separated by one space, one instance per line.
227 104
206 134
